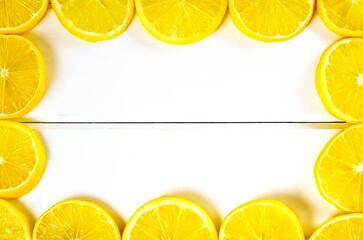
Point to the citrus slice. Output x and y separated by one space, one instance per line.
22 76
19 16
339 170
261 219
339 79
22 159
271 20
76 219
181 21
342 17
94 20
170 218
349 226
13 224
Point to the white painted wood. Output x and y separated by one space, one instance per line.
217 166
226 77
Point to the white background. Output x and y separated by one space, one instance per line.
224 78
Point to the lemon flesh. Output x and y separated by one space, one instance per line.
339 79
271 20
261 219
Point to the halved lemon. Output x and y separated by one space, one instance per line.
339 79
13 224
94 20
19 16
22 159
170 218
181 21
342 17
22 76
339 170
271 20
261 219
344 227
76 219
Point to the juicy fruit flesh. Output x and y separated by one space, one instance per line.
75 220
19 74
261 221
345 14
273 17
15 13
11 225
343 73
340 171
17 156
182 19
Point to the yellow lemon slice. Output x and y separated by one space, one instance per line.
76 219
22 76
170 218
344 17
13 224
19 16
271 20
339 170
261 219
22 159
344 227
339 79
94 20
181 21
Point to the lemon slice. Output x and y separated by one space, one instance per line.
94 20
22 159
181 21
344 17
170 218
13 224
271 20
19 16
261 219
344 227
22 76
339 170
76 219
339 79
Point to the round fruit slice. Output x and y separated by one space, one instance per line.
94 20
13 224
170 218
76 219
181 21
19 16
271 20
339 170
342 17
339 79
261 219
22 76
349 226
22 159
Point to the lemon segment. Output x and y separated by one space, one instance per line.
76 219
22 159
349 226
261 219
342 17
271 20
19 16
339 79
94 20
22 76
339 170
181 21
170 218
13 224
